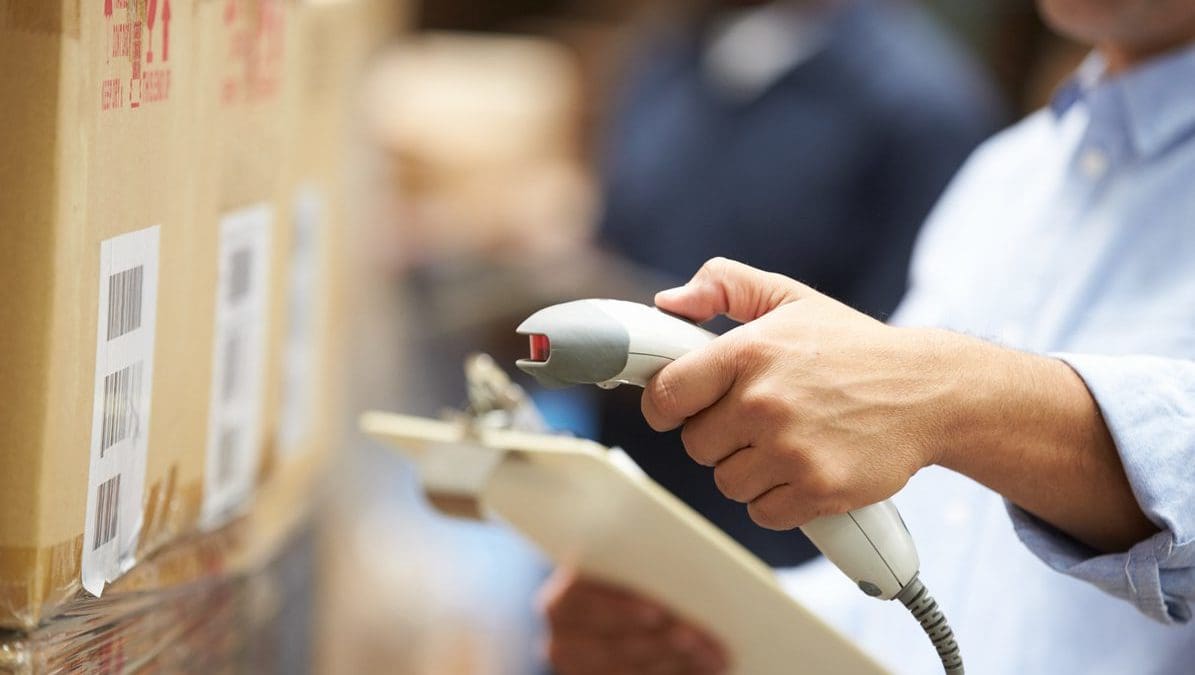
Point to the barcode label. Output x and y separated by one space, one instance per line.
226 455
238 363
306 309
124 301
240 265
107 511
121 391
233 351
120 418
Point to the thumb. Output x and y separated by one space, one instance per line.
728 287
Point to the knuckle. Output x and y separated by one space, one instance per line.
813 487
691 438
822 493
715 267
763 403
819 484
726 483
766 513
661 399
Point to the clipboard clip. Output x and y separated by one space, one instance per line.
455 474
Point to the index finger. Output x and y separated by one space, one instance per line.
727 287
689 385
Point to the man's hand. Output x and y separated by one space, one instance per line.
810 408
596 629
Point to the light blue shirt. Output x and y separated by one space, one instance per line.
1073 234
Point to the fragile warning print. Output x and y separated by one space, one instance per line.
138 53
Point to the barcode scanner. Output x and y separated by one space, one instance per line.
613 342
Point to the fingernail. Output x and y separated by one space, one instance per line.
669 293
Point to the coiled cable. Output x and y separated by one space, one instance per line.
925 609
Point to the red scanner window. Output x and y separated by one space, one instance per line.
540 348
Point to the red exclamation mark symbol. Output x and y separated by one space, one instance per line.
166 30
151 17
135 58
108 15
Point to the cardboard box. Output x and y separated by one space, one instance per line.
242 55
97 447
166 324
251 619
277 89
331 40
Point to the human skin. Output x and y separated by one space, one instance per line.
810 408
597 629
1053 475
1126 32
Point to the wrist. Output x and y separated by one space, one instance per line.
1027 427
971 389
962 385
1005 402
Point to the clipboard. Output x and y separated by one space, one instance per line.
591 508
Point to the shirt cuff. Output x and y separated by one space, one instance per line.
1135 575
1148 404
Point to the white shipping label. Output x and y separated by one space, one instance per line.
234 431
124 368
302 348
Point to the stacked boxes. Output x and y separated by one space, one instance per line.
171 207
239 100
254 619
322 88
96 441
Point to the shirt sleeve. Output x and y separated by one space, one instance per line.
1148 404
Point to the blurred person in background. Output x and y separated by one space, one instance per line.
806 137
1069 235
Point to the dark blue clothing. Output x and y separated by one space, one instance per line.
825 176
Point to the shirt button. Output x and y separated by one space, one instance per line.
1093 163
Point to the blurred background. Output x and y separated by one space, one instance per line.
437 171
518 153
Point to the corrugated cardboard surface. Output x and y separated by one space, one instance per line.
243 55
235 123
27 209
82 164
322 89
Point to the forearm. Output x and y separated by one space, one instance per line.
1027 427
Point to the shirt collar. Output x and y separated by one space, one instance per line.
750 49
1157 97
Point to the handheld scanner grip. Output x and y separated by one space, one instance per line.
871 545
612 342
605 342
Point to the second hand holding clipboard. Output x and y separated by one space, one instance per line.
612 342
592 509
